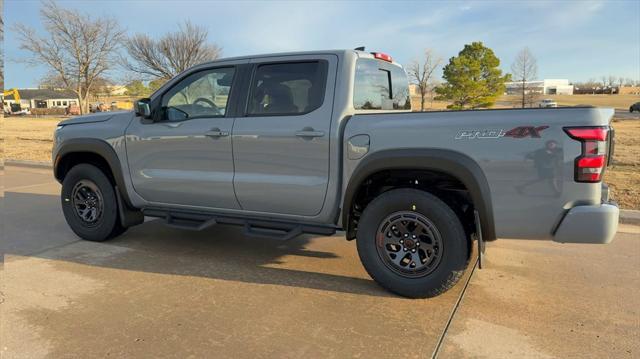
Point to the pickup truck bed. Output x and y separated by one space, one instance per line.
530 188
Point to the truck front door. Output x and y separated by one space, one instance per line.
184 156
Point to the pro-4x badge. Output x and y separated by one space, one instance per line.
518 132
526 131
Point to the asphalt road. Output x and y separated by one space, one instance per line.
160 292
626 115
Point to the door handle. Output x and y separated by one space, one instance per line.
215 132
173 124
309 133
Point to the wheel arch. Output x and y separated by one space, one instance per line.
452 163
90 150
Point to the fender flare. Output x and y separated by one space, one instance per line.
453 163
100 148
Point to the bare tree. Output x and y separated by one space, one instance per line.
171 54
77 48
421 74
604 83
524 70
611 81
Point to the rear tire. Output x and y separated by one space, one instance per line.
89 204
439 241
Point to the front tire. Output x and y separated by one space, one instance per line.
89 204
412 243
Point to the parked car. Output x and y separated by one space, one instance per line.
72 110
548 103
635 107
319 142
98 107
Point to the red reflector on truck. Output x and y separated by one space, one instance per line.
590 164
381 56
588 133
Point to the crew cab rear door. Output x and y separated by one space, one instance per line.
281 143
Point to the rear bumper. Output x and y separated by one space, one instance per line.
588 224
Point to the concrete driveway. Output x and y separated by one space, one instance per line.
160 292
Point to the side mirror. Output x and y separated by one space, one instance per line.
142 108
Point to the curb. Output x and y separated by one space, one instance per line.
627 216
28 164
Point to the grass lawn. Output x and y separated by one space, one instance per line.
620 102
31 139
623 175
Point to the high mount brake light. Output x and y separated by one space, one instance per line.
590 164
381 56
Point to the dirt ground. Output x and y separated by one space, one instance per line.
30 139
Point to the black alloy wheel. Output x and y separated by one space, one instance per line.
409 244
87 202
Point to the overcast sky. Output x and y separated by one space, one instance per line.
571 39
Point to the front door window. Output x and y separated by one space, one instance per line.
203 94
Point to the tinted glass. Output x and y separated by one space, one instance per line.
380 86
203 94
287 89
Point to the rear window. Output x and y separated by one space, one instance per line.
380 86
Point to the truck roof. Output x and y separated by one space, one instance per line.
338 52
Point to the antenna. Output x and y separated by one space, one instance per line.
361 48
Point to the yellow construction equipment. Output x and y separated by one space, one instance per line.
121 105
14 108
14 92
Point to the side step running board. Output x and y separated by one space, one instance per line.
272 233
254 227
188 224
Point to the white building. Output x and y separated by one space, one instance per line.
43 98
545 87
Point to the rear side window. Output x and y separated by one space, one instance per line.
380 86
287 88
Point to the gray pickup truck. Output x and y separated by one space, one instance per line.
319 142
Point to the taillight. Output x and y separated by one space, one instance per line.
589 166
381 56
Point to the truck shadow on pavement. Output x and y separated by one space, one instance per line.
219 253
